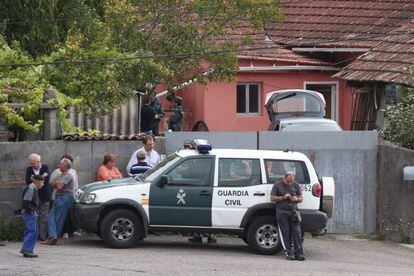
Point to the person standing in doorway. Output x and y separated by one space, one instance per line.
37 168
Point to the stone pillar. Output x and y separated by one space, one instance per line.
4 132
50 120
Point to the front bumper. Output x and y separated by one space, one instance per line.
313 221
86 216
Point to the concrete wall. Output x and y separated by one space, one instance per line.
349 157
395 196
237 140
88 156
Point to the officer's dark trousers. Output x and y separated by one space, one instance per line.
289 230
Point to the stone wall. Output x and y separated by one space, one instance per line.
395 209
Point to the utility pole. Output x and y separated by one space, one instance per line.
139 95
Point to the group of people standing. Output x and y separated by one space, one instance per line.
152 112
47 199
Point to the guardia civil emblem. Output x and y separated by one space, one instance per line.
181 196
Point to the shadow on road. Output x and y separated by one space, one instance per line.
166 243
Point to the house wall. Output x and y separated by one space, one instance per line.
216 102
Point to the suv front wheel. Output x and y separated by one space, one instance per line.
263 236
121 229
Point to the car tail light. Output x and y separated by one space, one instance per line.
317 190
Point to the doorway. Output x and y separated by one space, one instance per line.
329 90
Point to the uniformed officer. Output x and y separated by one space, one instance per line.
176 120
155 103
287 194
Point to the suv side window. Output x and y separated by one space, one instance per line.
276 169
194 171
238 172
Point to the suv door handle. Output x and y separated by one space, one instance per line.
205 193
259 194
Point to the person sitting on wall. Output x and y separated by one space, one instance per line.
142 165
108 170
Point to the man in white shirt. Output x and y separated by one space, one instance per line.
152 157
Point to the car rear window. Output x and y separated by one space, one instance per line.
276 169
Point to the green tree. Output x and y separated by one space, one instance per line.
400 121
103 50
20 85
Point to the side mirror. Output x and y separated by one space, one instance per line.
163 181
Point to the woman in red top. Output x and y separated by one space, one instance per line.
108 171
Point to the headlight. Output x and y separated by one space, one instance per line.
87 198
78 195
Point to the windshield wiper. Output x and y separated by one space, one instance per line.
287 96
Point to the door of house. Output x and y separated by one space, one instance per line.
330 93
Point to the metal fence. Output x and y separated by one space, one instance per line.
349 157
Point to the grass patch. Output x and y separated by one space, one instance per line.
10 231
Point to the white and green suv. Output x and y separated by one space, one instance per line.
207 191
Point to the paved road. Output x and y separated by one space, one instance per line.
173 255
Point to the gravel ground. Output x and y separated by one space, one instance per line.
173 255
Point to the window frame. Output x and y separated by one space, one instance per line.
232 185
211 173
304 166
247 98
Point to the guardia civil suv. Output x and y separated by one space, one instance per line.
204 190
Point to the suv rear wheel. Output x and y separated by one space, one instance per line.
263 236
121 229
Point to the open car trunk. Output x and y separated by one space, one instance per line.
294 103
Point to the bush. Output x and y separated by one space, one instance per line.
10 231
400 121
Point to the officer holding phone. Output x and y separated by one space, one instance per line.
287 194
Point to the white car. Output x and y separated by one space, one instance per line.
305 124
207 191
298 110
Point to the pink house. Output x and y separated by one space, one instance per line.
240 105
355 52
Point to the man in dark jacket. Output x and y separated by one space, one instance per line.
147 116
155 103
176 119
30 209
37 168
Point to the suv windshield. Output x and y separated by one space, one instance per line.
154 172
